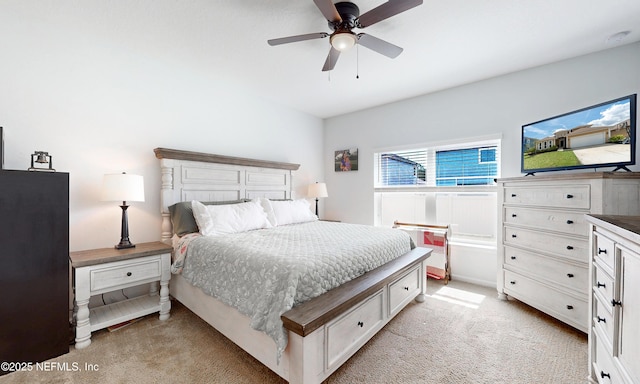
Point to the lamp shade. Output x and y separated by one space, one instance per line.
122 187
318 190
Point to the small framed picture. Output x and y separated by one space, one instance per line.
346 160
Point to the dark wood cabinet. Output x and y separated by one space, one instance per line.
34 259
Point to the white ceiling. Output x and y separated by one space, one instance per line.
446 43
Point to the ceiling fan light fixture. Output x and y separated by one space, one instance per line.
343 41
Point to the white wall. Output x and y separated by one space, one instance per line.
497 106
100 105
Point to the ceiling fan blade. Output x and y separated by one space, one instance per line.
332 59
293 39
386 10
378 45
329 10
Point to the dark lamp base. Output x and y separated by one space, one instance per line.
124 245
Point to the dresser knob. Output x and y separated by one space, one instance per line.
615 302
569 306
513 257
360 324
569 221
602 251
513 195
569 275
601 319
569 247
513 215
514 235
599 284
406 288
128 273
569 196
513 282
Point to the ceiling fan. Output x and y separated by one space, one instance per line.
345 16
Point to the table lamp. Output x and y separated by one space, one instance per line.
123 187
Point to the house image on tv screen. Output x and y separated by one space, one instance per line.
584 136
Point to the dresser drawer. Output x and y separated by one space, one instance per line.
572 275
571 223
603 284
557 196
125 273
347 333
603 319
404 289
604 251
603 366
574 248
552 301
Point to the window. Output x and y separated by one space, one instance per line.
463 164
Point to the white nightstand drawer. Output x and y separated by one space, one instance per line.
119 274
603 284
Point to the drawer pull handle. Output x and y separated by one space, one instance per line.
513 257
569 275
406 288
569 247
513 195
513 282
600 250
569 221
513 215
569 196
603 375
615 302
360 324
599 284
128 273
514 235
569 306
601 319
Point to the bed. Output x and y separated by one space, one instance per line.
322 332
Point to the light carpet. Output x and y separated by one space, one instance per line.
461 334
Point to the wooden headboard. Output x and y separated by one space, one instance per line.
199 176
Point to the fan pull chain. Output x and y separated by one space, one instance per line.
357 61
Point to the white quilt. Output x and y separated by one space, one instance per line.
266 272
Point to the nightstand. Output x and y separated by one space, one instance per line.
98 271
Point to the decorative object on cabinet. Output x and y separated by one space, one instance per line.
435 237
346 160
317 190
614 299
543 256
34 234
104 270
123 187
41 157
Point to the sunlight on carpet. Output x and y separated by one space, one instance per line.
459 297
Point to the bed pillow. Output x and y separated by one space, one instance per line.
182 219
291 212
216 220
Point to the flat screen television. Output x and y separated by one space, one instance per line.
602 135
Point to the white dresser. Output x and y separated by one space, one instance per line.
543 236
614 306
